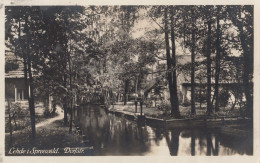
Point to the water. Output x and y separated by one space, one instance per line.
112 135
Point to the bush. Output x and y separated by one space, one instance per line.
223 98
187 103
18 111
19 117
164 106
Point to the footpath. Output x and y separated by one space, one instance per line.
51 135
46 122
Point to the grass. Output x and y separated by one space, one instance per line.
54 135
185 111
21 119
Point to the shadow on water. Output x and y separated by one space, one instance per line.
112 135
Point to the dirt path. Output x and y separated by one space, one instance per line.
45 122
50 120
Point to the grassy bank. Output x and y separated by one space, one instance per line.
20 115
54 136
185 111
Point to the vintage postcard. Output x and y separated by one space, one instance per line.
109 79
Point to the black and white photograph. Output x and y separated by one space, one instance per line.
129 80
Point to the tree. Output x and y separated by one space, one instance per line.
173 92
175 107
190 14
208 9
25 35
242 18
193 63
217 68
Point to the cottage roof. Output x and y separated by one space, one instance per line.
17 73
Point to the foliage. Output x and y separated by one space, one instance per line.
75 51
164 106
224 98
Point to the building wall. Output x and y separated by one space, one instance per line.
15 89
187 92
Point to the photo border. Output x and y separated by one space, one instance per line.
256 117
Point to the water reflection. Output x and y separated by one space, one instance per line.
112 135
173 142
192 145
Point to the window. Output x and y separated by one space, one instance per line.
20 94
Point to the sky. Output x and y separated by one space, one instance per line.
147 23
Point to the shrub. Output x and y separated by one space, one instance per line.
164 106
223 98
187 103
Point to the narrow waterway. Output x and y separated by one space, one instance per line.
112 135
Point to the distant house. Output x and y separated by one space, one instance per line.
159 79
228 82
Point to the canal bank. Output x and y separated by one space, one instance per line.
52 139
227 124
110 132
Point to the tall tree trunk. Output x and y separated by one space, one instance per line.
136 87
193 69
24 65
174 76
216 93
209 109
248 89
169 62
248 69
31 95
248 60
31 99
71 96
200 97
10 122
65 99
126 91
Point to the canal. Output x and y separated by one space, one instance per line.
112 135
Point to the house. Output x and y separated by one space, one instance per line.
226 81
156 84
14 79
15 88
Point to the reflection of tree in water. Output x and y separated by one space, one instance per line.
210 138
209 144
158 132
232 144
237 144
173 141
110 135
192 144
128 138
216 153
207 140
